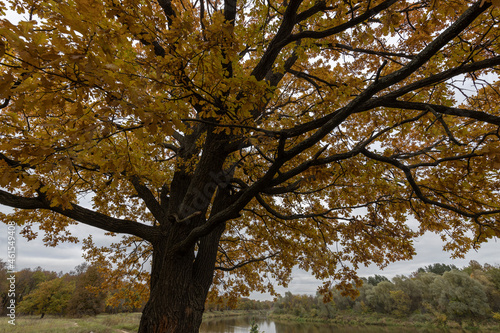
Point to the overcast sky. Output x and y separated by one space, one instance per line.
66 256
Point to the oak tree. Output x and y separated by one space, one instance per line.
234 140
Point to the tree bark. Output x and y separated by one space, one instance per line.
177 300
180 282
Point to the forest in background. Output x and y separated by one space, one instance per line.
77 293
437 292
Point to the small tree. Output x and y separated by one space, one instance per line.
28 280
459 296
50 297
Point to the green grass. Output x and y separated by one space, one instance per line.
104 323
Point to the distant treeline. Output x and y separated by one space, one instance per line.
437 292
78 293
85 292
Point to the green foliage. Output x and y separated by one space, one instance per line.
413 288
27 281
459 296
376 279
437 268
493 274
82 292
250 304
51 297
455 295
379 298
254 327
401 303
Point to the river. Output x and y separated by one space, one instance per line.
243 325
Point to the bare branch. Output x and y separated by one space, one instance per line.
246 262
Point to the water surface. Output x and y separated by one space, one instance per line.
243 325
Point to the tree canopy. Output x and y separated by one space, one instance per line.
251 137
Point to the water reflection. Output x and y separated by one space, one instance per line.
243 325
236 325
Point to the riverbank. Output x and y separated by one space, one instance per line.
234 313
417 321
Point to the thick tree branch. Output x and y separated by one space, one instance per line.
280 216
149 199
364 102
472 114
284 189
340 156
83 215
342 27
230 11
284 37
12 163
441 77
277 43
5 103
427 53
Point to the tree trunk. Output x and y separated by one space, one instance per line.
179 286
176 301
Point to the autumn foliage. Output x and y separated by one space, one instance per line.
232 141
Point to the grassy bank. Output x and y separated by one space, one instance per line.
234 313
103 323
349 318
